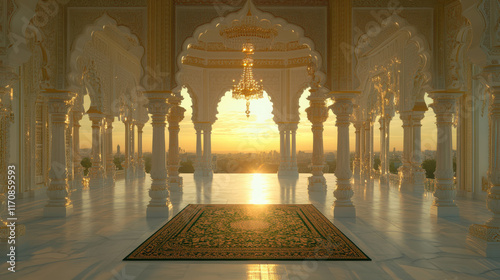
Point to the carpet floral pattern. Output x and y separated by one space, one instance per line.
248 232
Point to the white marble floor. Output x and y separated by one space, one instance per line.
396 230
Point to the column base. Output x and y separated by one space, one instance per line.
175 184
317 184
130 173
59 211
344 211
445 211
159 211
77 184
384 179
485 240
97 178
406 187
288 173
97 183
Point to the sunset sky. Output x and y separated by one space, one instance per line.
233 132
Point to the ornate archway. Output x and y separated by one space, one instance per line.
208 69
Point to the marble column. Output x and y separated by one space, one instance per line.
141 173
96 172
486 237
367 157
159 205
133 158
175 116
282 168
317 113
362 147
343 109
77 159
198 165
357 156
294 169
387 154
59 204
207 150
418 173
404 171
444 106
287 149
110 164
383 171
126 166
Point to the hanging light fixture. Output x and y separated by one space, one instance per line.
248 34
248 88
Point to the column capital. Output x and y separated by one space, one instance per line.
491 76
343 106
158 102
59 101
176 114
444 101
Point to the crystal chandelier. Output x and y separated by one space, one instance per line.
248 88
248 34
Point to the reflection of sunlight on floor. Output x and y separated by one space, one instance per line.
262 272
259 190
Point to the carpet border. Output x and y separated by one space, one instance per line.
367 258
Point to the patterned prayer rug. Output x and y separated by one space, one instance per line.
248 232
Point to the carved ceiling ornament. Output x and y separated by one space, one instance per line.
115 55
458 39
208 69
399 41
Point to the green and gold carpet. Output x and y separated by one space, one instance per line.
248 232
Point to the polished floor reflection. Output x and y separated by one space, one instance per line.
395 229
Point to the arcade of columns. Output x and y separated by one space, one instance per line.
164 106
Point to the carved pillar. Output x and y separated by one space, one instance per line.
96 172
175 116
59 204
383 171
294 169
110 165
77 159
418 173
128 161
404 171
159 205
444 107
362 151
367 156
317 114
282 167
487 236
133 159
357 156
207 150
198 165
287 149
140 159
343 108
387 154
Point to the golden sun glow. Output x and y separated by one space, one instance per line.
259 190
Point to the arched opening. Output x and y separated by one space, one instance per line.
245 145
